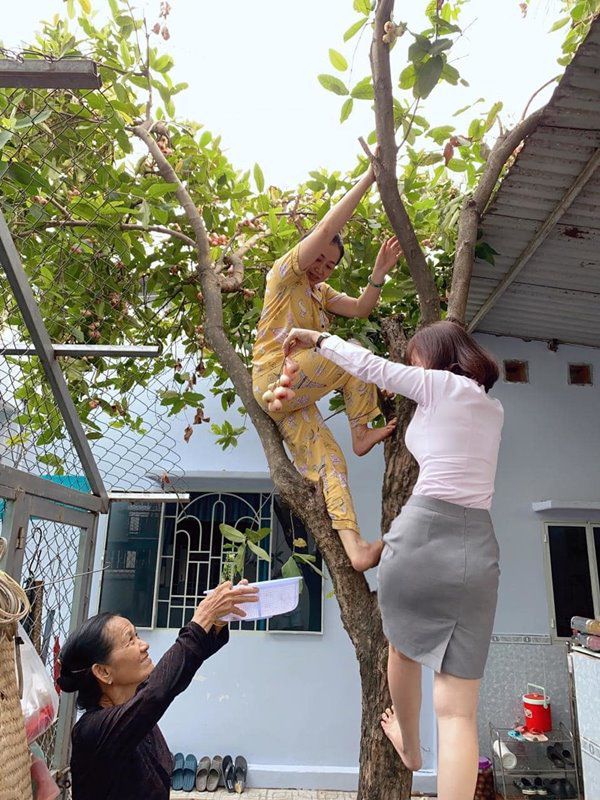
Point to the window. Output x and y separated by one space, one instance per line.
572 553
159 560
130 558
580 374
516 372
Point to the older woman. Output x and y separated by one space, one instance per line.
119 752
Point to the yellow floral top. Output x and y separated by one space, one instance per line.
290 302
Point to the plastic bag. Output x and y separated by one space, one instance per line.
40 699
42 783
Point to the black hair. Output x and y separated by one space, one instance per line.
337 240
86 646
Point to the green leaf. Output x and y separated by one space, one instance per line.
231 534
346 110
333 84
560 23
492 115
258 551
450 74
441 133
457 165
419 49
354 29
475 129
86 6
362 6
160 189
439 46
259 535
125 53
337 60
363 90
408 77
485 252
259 178
428 74
291 569
114 7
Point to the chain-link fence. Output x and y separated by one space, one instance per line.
76 226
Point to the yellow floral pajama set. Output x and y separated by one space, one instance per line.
290 302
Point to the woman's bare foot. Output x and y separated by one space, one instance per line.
365 438
411 759
362 554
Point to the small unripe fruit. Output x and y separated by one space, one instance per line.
281 393
285 380
268 396
275 405
272 386
389 26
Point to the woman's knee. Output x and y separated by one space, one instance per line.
455 697
399 656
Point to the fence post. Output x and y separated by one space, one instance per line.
14 530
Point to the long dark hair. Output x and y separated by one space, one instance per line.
86 646
446 345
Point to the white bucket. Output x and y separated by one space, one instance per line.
274 597
508 758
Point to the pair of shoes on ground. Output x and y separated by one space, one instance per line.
560 757
555 787
208 774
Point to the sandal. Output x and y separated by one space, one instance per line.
202 773
241 773
563 755
539 786
177 776
214 775
189 773
555 756
228 773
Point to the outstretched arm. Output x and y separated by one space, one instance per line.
333 222
344 306
413 382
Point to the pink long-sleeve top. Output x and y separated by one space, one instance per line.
455 432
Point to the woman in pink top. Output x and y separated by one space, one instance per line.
438 576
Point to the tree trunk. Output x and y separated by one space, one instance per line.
382 774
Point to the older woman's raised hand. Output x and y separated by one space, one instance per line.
226 599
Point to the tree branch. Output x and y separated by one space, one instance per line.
304 498
385 169
124 226
472 210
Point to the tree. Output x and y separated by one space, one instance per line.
167 242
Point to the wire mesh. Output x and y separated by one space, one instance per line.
72 217
49 575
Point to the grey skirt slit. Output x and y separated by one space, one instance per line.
438 585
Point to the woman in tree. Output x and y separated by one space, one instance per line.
438 576
298 295
119 752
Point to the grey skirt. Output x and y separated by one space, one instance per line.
438 585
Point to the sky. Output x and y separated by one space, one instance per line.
252 69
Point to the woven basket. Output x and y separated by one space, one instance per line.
15 762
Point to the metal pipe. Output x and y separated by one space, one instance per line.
91 350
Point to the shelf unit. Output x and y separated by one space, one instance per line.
532 762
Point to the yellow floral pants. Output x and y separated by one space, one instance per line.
315 452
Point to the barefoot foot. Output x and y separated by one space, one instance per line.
411 758
365 438
363 555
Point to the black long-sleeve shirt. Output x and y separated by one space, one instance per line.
119 752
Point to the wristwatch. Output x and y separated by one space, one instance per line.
376 285
320 340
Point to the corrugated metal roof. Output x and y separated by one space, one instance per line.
556 295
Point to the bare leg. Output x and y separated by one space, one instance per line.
401 722
455 701
364 438
361 553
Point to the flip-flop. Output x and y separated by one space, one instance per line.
189 773
241 773
177 776
564 755
539 787
202 773
555 757
214 776
570 790
228 773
